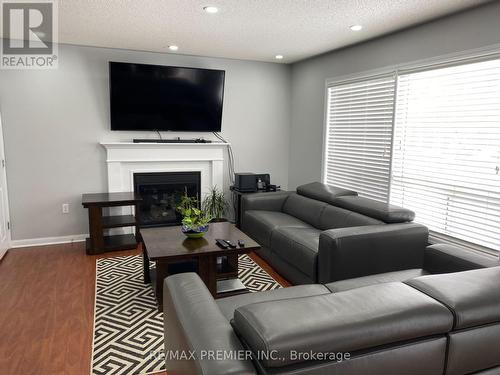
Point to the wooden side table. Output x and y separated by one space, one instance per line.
98 242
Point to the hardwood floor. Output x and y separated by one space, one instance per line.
46 308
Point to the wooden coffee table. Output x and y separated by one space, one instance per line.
173 252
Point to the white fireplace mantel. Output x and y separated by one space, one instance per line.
123 159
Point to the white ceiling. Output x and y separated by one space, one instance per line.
242 29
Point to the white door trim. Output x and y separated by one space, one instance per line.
3 170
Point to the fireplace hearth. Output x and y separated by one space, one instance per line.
161 193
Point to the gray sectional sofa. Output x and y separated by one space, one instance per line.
323 233
433 324
376 301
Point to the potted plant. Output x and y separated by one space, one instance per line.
194 220
215 204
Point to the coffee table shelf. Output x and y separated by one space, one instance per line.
230 287
227 268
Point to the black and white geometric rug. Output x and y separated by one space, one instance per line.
127 325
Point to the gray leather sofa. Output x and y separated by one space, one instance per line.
433 324
321 233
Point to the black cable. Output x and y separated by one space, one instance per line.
230 157
231 160
159 135
231 164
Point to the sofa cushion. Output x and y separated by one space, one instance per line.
388 213
379 278
229 304
297 246
259 224
473 296
323 192
335 217
306 209
340 322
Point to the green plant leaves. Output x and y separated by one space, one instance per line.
192 216
215 203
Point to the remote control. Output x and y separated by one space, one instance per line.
241 243
221 243
231 244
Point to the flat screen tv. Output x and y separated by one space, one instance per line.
153 97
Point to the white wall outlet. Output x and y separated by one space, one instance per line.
65 208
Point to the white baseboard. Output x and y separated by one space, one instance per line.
48 241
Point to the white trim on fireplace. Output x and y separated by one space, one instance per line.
163 160
161 145
123 159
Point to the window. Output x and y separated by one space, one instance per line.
446 153
359 134
445 158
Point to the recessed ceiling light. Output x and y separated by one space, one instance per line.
278 57
211 9
173 48
356 27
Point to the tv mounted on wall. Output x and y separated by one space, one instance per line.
153 97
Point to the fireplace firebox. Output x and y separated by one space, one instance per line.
161 193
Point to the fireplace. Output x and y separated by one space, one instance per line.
161 193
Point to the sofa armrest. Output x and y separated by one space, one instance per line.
346 253
194 324
445 258
264 201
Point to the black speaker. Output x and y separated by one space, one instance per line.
248 182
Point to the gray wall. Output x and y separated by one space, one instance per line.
470 30
54 120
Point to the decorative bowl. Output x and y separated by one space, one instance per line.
194 233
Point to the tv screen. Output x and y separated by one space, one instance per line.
152 97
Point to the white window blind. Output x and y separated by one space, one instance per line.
359 136
446 155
